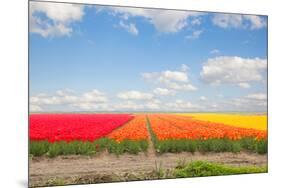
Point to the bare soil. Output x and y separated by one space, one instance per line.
44 169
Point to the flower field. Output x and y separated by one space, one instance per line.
238 120
176 133
70 127
176 127
65 134
134 130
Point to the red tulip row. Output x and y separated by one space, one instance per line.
70 127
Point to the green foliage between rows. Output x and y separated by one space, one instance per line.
204 168
39 148
211 145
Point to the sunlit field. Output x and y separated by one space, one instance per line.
253 121
121 94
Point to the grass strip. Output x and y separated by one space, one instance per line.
204 168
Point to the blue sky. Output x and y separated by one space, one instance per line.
97 58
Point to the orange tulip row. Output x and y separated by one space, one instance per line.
133 130
176 127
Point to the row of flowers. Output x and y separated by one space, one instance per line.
133 130
70 127
176 127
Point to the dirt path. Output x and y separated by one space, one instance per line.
42 168
150 150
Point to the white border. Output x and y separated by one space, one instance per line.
13 95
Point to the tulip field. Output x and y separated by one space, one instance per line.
74 127
173 133
88 134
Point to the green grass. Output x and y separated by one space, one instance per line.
204 168
39 148
56 182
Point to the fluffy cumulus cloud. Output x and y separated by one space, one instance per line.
135 95
163 91
239 21
91 100
156 105
175 80
244 85
194 35
165 21
233 70
181 105
133 105
167 76
257 96
54 19
203 98
251 102
130 28
35 108
128 105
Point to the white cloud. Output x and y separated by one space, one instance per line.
215 51
94 96
256 21
233 70
257 96
244 104
184 68
45 29
134 95
239 21
194 35
62 92
196 21
91 106
167 76
153 104
163 91
165 21
181 86
177 80
45 100
131 28
251 103
35 108
59 17
180 105
93 99
203 98
244 85
128 105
